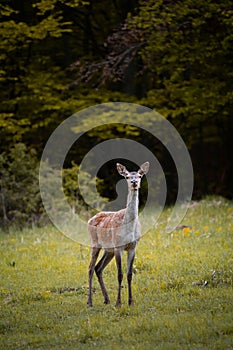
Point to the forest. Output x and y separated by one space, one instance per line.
59 57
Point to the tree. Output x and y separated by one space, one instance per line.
35 96
188 60
176 57
20 202
39 41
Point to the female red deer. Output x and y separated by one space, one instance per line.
116 232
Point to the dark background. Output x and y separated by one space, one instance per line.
59 57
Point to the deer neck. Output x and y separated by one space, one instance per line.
132 206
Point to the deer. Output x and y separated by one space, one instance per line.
116 232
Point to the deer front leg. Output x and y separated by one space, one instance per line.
94 256
106 258
118 257
130 260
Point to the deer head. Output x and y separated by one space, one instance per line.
133 178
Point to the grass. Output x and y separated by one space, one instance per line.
44 288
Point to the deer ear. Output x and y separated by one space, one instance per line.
122 169
144 168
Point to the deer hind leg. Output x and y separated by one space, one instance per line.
130 260
94 256
104 261
118 257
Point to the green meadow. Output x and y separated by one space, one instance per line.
182 284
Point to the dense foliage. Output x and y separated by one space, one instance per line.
58 57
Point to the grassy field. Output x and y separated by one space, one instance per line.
183 289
